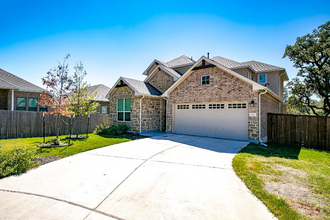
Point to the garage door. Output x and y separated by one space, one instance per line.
221 120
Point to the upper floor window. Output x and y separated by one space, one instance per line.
33 104
21 104
205 80
248 75
124 110
262 78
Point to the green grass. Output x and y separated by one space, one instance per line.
92 142
257 165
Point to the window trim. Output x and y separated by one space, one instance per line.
123 121
202 80
259 78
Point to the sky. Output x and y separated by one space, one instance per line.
121 38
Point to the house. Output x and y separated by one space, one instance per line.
214 97
101 91
18 94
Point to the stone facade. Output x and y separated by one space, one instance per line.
150 110
161 80
223 87
268 105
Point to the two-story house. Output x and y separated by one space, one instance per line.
214 97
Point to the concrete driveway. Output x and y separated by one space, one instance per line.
165 177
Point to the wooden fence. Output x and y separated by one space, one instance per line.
306 131
21 124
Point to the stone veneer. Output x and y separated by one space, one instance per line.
161 80
223 87
151 110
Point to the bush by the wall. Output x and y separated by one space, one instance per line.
16 160
112 130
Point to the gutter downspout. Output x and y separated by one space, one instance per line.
141 112
260 116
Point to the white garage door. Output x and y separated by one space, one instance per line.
221 120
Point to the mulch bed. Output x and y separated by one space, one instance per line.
131 136
44 160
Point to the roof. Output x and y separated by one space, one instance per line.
256 86
177 62
139 87
180 61
101 94
10 81
255 66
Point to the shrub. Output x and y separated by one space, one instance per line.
16 160
111 130
56 141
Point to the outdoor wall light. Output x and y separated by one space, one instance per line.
252 103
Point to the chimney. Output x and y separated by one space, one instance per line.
208 55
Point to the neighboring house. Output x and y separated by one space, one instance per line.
101 92
18 94
214 97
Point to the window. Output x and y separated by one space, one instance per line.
43 108
205 80
216 106
21 104
183 107
237 105
124 110
248 75
104 109
262 78
202 106
33 104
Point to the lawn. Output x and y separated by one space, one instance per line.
293 183
92 142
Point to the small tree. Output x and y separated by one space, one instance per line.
82 103
56 96
311 55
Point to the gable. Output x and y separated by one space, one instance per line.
161 80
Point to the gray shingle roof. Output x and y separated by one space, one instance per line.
8 80
101 90
255 66
142 87
180 61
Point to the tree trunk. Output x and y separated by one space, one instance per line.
58 125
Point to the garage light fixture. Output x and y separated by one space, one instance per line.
252 103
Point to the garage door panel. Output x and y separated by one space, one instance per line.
221 123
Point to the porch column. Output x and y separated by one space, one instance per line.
12 100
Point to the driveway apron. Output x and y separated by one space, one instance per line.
164 177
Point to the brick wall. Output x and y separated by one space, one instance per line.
223 87
161 80
4 99
268 105
27 95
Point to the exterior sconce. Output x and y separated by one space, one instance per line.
252 103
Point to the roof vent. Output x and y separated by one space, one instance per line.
208 55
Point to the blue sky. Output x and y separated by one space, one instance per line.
121 38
